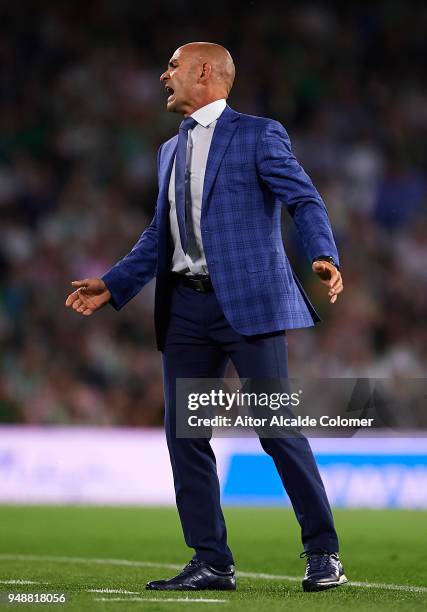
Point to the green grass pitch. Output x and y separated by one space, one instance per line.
53 548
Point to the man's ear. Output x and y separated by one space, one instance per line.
205 72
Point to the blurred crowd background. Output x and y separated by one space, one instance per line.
82 115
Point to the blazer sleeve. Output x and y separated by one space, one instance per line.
284 176
129 275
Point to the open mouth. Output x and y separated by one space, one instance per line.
170 93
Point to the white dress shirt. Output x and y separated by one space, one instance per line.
198 145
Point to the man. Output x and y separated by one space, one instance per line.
225 290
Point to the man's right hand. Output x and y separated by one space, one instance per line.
91 294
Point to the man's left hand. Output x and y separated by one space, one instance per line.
329 276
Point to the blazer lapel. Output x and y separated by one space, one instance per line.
224 130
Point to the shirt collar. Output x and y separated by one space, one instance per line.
209 113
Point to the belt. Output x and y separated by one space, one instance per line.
200 282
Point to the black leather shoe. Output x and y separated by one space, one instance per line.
198 576
323 571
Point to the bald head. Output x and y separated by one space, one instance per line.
198 73
223 70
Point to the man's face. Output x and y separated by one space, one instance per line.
180 80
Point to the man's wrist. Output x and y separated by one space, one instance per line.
328 258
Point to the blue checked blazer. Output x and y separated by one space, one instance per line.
251 173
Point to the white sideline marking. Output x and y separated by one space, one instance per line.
114 591
21 582
161 600
174 566
390 587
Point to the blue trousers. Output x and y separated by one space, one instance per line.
199 344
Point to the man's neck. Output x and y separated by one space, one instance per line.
202 105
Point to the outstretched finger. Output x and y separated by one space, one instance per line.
336 279
72 298
336 288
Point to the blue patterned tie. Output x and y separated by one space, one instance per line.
182 181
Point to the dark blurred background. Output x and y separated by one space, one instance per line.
82 114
